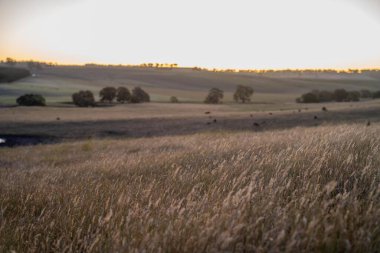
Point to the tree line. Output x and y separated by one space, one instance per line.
85 98
31 65
338 95
243 94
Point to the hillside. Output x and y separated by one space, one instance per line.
9 74
294 190
59 82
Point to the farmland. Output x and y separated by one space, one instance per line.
267 176
58 83
313 189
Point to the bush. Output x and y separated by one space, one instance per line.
340 95
83 98
214 96
107 94
365 94
139 96
174 99
123 95
325 96
353 96
31 100
310 97
243 93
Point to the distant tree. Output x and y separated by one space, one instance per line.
365 94
123 95
214 96
376 94
11 62
340 95
107 94
174 99
31 100
353 96
83 98
310 97
139 96
243 93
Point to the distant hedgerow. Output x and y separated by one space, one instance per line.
338 95
31 100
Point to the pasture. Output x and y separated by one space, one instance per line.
268 176
58 83
189 126
163 119
302 189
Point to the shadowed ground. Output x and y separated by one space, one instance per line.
175 124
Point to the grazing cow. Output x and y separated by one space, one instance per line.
58 118
256 124
368 123
214 120
315 117
270 113
324 109
207 112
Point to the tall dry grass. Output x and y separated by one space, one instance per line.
299 190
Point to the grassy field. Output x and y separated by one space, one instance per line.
295 190
270 176
59 82
160 119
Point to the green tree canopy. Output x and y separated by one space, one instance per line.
139 96
107 94
214 96
243 93
340 95
123 95
31 100
83 98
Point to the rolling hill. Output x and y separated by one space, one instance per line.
59 82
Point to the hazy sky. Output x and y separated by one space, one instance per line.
210 33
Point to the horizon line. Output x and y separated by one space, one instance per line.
176 65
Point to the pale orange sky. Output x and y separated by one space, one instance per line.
208 33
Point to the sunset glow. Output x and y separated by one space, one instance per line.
221 34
